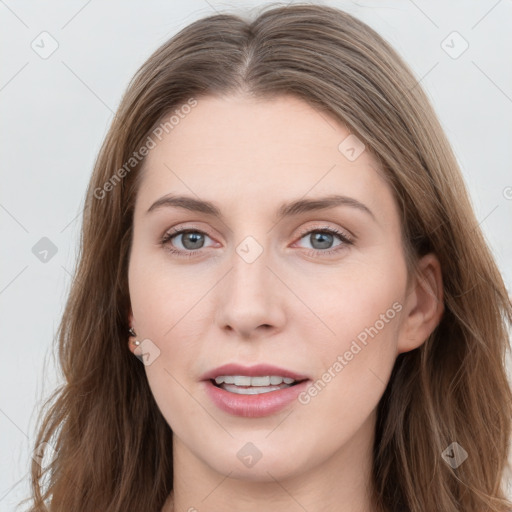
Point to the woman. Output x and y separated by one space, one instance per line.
277 228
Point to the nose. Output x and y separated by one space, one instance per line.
250 300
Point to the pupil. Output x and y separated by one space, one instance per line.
325 240
194 238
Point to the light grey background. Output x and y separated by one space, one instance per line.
55 111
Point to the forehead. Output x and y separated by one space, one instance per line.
230 148
252 131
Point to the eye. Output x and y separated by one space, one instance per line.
322 240
190 241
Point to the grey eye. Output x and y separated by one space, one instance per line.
192 240
322 240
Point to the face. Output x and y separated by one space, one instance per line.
317 293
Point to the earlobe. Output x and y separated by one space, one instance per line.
133 342
424 304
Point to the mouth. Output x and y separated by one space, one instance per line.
254 391
247 385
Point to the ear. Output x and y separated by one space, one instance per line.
424 304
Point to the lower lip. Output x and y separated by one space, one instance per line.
253 406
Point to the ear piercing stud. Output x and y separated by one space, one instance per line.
133 335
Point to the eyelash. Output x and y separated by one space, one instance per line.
346 239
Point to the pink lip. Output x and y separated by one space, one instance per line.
251 371
253 406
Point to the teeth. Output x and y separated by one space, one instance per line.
241 380
252 390
259 381
244 380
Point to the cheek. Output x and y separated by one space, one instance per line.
162 293
362 307
161 303
354 364
168 304
357 298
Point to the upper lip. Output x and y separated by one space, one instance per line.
252 371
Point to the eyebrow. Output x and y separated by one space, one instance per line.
286 210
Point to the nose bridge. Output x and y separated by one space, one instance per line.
249 277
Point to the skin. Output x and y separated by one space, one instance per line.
290 307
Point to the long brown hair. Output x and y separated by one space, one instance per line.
113 445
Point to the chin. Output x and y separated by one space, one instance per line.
258 461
